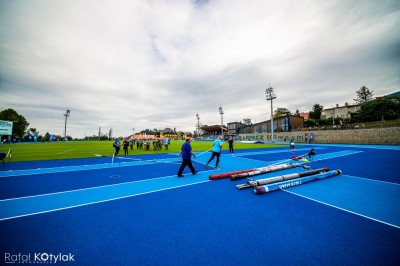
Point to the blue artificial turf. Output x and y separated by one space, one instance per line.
202 225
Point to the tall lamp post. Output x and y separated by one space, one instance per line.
270 96
222 122
198 125
66 117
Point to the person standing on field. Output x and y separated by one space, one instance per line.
117 146
186 153
216 151
230 142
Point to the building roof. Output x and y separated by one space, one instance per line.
213 128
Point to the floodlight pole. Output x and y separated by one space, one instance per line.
198 125
270 96
222 122
66 117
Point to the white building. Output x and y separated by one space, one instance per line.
342 112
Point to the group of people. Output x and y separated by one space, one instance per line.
125 144
187 153
140 144
293 147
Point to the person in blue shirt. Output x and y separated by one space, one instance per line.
117 146
216 151
186 153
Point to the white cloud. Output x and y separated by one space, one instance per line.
155 64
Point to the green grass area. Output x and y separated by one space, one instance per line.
86 149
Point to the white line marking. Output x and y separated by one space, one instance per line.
90 188
64 152
327 204
101 201
369 179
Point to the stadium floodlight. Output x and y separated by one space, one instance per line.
222 121
198 125
270 96
66 117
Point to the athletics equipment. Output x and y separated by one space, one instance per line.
241 174
271 180
264 170
299 158
286 184
203 152
229 174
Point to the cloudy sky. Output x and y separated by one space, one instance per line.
157 63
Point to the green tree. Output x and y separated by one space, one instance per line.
281 112
387 108
316 112
19 122
297 113
309 123
363 95
148 132
247 121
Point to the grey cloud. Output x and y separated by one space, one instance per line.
155 64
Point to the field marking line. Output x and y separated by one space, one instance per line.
102 201
64 152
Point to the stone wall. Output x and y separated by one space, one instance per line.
388 136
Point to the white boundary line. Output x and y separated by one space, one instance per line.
64 152
101 201
330 205
90 188
369 179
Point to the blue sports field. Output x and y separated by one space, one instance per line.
135 211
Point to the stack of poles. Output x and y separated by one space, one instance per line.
291 183
236 175
271 180
264 170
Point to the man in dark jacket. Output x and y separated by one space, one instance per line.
186 153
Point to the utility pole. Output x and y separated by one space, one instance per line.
222 122
270 96
198 125
66 117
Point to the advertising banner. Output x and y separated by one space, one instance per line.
6 127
